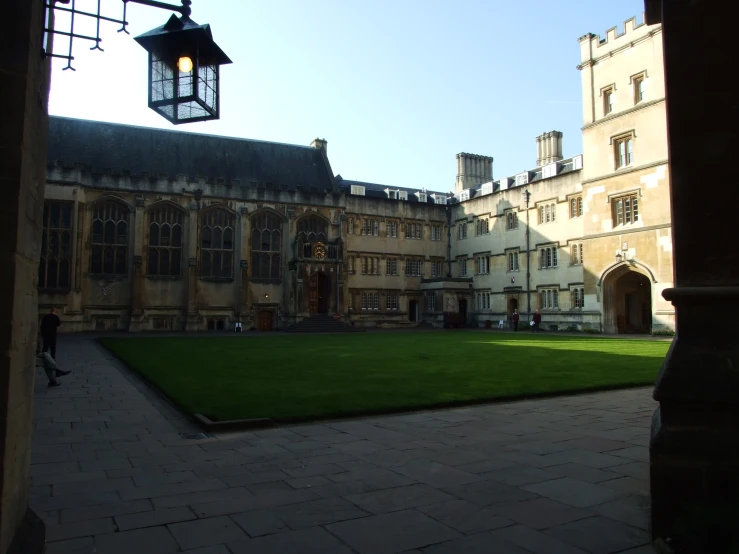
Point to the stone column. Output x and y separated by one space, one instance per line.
191 265
694 447
24 95
137 277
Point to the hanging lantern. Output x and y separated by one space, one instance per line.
183 70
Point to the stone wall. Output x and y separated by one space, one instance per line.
23 133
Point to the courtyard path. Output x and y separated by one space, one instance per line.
117 470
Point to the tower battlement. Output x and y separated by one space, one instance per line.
592 44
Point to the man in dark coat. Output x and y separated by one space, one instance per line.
515 320
537 322
49 325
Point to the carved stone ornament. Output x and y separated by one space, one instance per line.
106 287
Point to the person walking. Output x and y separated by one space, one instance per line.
537 322
49 325
515 320
45 361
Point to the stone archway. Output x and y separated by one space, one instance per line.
627 301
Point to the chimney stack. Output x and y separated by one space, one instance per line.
320 144
548 148
473 170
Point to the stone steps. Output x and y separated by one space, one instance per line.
318 323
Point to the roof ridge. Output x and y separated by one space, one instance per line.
178 131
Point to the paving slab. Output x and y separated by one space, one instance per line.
465 517
153 518
206 532
535 541
574 492
154 540
399 498
318 512
541 513
259 523
315 540
391 533
482 543
73 546
485 493
600 535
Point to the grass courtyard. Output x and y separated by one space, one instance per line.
302 377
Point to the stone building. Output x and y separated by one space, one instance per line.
147 229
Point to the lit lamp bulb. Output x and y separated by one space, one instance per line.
184 64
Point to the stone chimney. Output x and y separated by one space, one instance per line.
548 148
473 170
320 144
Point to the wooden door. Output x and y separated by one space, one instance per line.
324 293
319 293
265 320
313 294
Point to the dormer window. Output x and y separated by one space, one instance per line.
549 170
438 199
402 195
522 178
464 195
421 197
358 190
487 188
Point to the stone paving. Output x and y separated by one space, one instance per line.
114 473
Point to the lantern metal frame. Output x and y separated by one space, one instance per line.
183 96
202 46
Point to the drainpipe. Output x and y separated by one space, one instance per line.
527 196
340 265
449 241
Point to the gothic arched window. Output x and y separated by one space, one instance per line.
266 246
56 247
217 244
165 241
109 241
313 228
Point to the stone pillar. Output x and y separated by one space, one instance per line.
694 447
191 261
137 276
24 94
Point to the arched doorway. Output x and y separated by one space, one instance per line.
627 301
319 293
463 311
413 310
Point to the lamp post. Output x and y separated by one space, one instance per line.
527 197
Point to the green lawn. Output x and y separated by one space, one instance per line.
300 377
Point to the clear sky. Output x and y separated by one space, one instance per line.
396 87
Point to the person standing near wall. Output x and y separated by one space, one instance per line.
515 320
49 324
537 322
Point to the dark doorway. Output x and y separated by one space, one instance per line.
628 307
413 310
319 293
463 311
512 305
264 320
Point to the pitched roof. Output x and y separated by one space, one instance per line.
101 147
